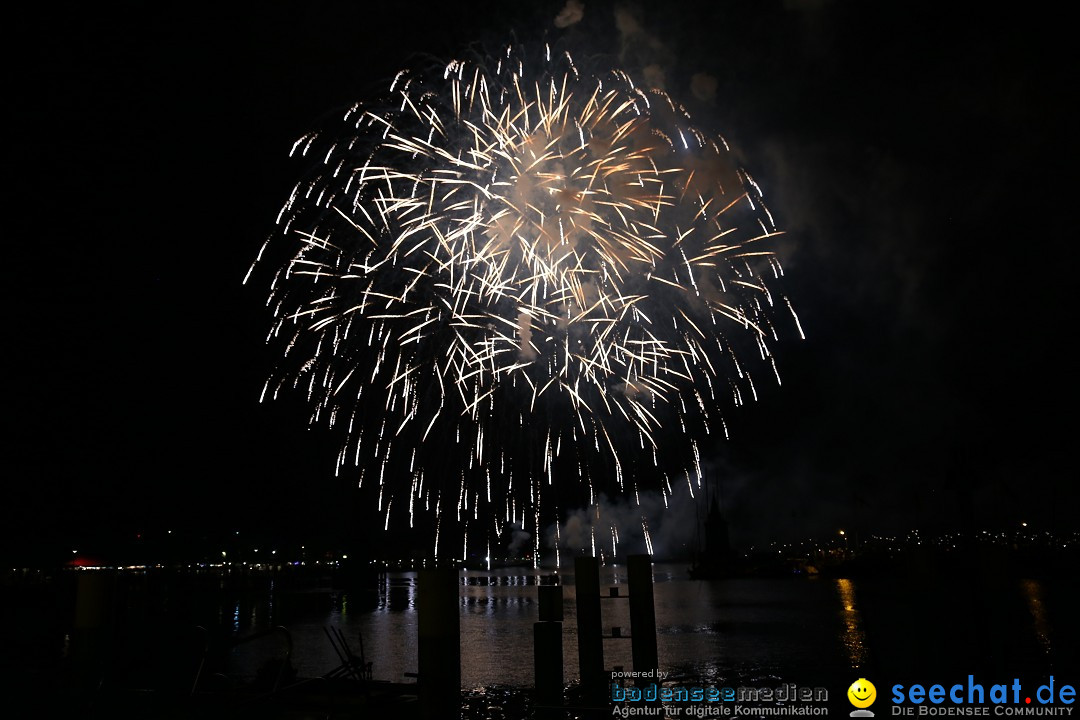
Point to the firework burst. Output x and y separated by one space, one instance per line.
517 288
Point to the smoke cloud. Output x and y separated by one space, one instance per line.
639 48
519 542
703 86
524 323
571 14
628 525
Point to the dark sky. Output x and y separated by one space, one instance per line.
922 161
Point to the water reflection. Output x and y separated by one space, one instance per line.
398 594
1033 594
270 604
731 630
853 637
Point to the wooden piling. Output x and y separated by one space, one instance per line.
550 599
590 629
642 613
90 634
548 668
547 652
439 638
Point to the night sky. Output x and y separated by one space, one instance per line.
922 163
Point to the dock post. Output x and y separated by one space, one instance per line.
93 616
439 639
642 613
547 652
548 668
594 684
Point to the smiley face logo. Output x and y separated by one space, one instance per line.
862 693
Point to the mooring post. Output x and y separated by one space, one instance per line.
548 669
550 600
547 652
89 643
439 638
590 630
642 613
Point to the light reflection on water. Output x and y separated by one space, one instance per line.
708 631
1033 594
736 630
854 636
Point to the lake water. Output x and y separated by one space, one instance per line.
931 627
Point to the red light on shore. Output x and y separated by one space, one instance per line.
83 561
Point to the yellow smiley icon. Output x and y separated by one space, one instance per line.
862 693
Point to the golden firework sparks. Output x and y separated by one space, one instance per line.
513 284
